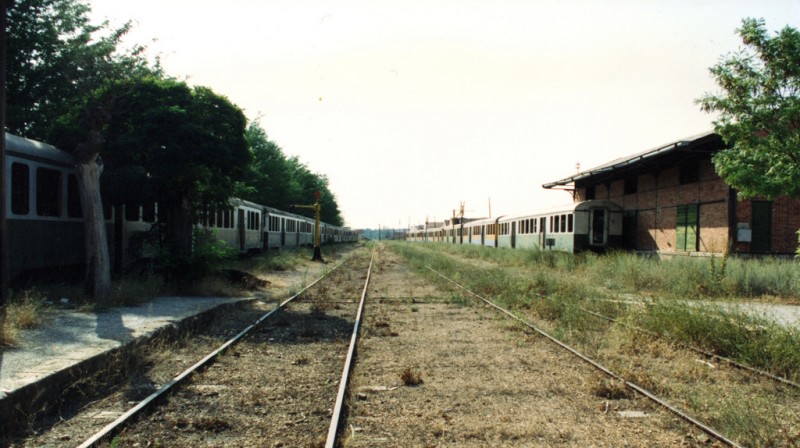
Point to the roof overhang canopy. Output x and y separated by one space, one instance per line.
669 154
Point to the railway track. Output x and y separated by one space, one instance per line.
274 381
431 371
717 435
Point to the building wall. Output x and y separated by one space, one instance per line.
785 224
656 202
659 193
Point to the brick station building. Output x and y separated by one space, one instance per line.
675 203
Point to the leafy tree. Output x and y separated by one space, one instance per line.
54 62
759 112
270 175
281 183
179 146
312 182
56 57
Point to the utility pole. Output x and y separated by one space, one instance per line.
4 238
316 207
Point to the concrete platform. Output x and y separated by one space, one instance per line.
71 343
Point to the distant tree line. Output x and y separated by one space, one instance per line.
152 137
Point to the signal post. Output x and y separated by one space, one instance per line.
316 207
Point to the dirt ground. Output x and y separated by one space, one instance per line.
433 369
483 381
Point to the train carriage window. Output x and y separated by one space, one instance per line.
131 212
569 222
533 221
108 209
149 212
226 219
258 220
556 223
551 225
563 223
212 217
20 189
48 192
73 198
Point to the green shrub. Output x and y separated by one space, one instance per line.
208 256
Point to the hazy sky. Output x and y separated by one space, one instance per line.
412 107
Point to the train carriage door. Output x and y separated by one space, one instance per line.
513 234
283 232
242 234
598 227
542 232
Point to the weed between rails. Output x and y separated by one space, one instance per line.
558 288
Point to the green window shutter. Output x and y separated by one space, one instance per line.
687 227
692 227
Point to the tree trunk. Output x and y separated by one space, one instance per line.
98 260
89 167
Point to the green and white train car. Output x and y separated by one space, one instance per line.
594 225
589 225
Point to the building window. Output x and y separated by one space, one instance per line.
689 173
48 192
20 189
688 227
631 185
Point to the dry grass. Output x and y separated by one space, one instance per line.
24 312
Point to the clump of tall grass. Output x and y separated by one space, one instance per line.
763 277
24 311
744 337
284 260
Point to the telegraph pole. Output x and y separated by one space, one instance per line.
4 239
316 207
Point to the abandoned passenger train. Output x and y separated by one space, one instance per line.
589 225
45 219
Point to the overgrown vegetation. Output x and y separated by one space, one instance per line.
23 312
690 301
209 271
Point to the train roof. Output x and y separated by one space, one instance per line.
31 149
566 208
482 221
